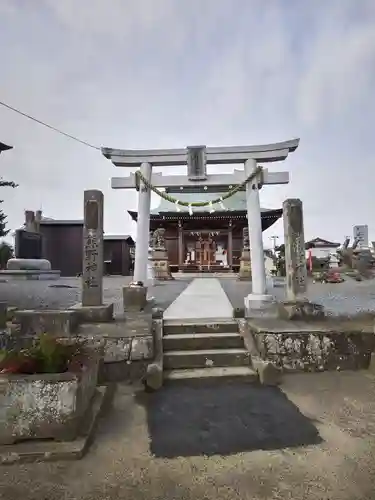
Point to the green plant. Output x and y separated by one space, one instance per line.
3 217
46 355
6 253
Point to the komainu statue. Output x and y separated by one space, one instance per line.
158 239
356 258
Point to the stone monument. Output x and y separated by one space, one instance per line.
160 256
245 261
92 308
29 263
28 241
296 306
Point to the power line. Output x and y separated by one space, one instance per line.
48 126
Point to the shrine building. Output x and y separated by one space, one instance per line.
206 241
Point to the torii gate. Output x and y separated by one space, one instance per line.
196 158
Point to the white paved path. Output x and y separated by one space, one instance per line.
203 298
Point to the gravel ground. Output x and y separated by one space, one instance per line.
67 291
121 465
349 297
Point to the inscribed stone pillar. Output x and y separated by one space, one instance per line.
295 256
92 274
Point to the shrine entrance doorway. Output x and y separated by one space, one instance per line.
206 252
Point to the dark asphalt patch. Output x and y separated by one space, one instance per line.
222 420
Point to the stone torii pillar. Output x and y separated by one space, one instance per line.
197 158
143 226
254 218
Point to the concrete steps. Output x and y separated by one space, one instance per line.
206 357
195 341
203 326
197 351
219 374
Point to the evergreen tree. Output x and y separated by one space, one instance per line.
6 253
3 217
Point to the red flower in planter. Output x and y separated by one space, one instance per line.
47 355
18 363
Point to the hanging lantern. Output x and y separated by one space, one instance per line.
211 207
177 207
190 209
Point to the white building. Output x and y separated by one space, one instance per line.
320 248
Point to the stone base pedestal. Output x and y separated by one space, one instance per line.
28 265
160 264
58 322
94 314
268 372
134 297
259 305
245 266
154 377
300 310
27 274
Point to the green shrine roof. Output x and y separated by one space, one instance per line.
236 203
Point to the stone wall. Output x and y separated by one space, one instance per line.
128 345
311 347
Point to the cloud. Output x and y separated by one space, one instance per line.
340 71
173 73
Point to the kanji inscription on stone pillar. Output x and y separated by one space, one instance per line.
295 256
92 273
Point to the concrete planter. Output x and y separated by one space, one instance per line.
43 406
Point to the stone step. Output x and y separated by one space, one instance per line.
229 326
219 374
206 358
194 341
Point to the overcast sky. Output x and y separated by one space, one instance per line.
172 73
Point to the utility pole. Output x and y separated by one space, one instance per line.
274 239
